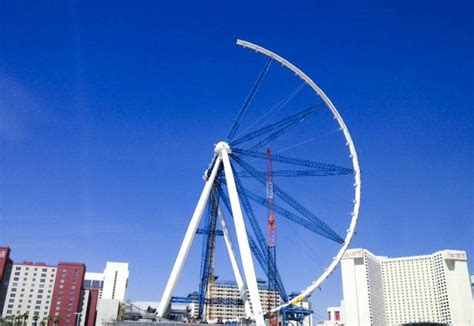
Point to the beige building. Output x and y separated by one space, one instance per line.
27 289
431 288
226 300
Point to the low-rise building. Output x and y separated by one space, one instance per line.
107 311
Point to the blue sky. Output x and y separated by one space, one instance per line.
108 113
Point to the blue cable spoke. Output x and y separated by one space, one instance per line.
259 250
259 234
256 252
279 125
289 215
250 214
263 262
267 140
293 203
290 200
277 107
298 173
248 100
294 161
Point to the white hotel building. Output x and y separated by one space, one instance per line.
112 283
395 291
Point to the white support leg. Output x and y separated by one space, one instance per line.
188 240
247 261
235 266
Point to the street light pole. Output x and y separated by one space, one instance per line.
77 317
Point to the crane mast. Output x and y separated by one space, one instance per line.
271 243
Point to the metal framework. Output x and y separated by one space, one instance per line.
223 184
271 238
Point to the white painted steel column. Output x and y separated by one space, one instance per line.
235 266
245 254
188 240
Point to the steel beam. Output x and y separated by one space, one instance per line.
244 247
188 240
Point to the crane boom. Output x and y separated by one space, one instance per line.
271 243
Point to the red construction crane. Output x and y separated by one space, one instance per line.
272 293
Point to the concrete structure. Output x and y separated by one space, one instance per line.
472 292
82 311
87 311
112 283
363 288
107 311
28 289
91 315
392 291
115 281
472 285
66 300
228 304
335 316
141 310
94 281
4 262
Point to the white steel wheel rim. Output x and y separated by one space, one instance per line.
355 165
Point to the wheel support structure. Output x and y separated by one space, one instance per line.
222 151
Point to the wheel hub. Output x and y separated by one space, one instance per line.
222 146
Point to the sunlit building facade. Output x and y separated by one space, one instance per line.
27 290
394 291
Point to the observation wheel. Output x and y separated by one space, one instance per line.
286 181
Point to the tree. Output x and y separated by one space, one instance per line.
7 320
45 321
24 318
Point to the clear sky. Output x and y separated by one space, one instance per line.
108 113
